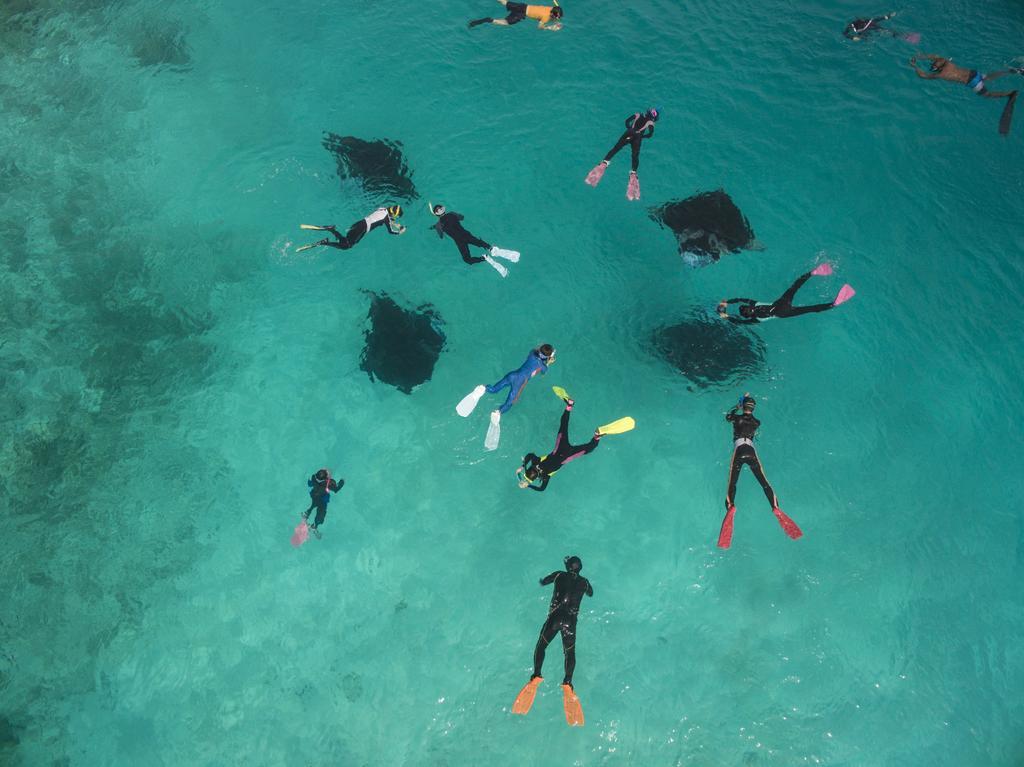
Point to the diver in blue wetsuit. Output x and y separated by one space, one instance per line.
536 362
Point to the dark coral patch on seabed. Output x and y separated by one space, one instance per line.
402 345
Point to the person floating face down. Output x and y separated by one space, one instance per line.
941 68
752 312
387 217
321 486
537 361
547 17
540 469
861 29
744 425
639 126
570 588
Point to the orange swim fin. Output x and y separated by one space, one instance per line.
573 709
524 700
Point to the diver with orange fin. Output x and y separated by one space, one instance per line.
570 588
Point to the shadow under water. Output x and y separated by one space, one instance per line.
378 165
706 226
402 345
709 351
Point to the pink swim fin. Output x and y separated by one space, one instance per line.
791 528
301 534
725 534
594 177
633 187
822 270
912 37
845 294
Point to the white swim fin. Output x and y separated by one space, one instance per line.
468 403
498 267
493 432
508 255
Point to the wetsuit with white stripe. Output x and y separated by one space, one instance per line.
744 425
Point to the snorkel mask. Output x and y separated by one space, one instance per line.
437 210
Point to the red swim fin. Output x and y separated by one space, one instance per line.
524 700
791 528
725 534
573 709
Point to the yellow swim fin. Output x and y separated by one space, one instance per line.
573 709
313 227
617 427
561 393
306 247
524 700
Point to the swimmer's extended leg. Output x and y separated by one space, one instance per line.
524 700
1007 116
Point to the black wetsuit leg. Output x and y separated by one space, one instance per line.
321 515
623 140
784 306
557 622
634 143
745 454
463 246
355 234
547 633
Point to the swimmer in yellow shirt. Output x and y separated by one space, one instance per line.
547 16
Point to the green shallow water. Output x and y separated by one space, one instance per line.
172 371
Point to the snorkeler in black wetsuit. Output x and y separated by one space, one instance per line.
744 425
450 223
570 588
322 485
638 127
544 467
753 312
381 217
859 29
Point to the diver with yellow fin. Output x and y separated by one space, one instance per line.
570 588
381 217
542 468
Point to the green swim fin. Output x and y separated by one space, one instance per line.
314 227
617 427
561 393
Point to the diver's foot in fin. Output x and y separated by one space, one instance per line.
571 703
845 294
314 245
725 534
791 528
594 177
633 187
313 529
477 22
316 228
563 395
822 270
524 700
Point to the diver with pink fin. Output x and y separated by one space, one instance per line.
321 486
638 127
744 425
752 311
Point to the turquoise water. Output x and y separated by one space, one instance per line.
172 372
